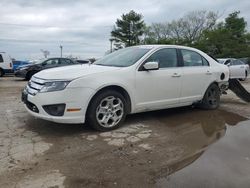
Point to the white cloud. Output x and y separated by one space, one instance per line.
83 27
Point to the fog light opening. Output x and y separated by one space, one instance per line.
55 109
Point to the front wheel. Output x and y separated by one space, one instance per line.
107 111
211 99
1 72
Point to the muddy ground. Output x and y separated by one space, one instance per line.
183 147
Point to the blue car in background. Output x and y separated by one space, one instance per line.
17 64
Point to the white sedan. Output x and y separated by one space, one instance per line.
237 68
130 80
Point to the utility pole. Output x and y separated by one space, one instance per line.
111 44
61 47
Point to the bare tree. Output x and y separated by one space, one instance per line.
187 29
194 23
46 53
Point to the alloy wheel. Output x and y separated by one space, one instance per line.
110 111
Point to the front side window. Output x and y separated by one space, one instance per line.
237 62
227 62
165 57
191 58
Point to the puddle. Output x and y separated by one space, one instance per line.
148 150
220 161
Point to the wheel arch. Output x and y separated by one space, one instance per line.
118 88
214 82
2 70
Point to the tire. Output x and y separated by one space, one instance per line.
243 79
29 75
211 99
1 72
107 111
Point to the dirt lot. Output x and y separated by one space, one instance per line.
184 147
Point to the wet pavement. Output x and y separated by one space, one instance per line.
183 147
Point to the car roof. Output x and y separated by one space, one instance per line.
160 46
157 46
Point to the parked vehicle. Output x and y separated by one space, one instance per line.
17 64
130 80
6 65
245 60
28 71
238 69
83 61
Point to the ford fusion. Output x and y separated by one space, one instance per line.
130 80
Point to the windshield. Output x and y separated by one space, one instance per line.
122 58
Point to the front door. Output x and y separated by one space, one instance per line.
157 89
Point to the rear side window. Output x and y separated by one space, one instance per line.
237 62
50 62
165 57
204 62
1 58
192 59
65 62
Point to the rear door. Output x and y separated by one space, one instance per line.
197 76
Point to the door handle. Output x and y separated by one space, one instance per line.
176 75
208 73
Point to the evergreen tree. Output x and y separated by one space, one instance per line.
128 30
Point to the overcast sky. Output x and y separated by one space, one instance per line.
83 27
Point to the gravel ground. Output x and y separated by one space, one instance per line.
183 147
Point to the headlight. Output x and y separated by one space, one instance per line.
22 68
54 86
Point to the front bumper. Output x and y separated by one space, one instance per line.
21 73
72 98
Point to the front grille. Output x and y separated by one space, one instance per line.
35 85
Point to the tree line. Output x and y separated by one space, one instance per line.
199 29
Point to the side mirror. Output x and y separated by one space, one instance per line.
44 63
228 64
151 66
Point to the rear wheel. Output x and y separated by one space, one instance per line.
243 79
107 111
211 99
1 72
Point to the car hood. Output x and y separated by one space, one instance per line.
73 71
24 66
